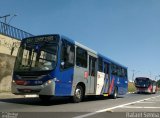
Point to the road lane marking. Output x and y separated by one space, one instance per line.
154 100
146 102
138 107
109 109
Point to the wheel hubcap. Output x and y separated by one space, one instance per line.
115 94
78 93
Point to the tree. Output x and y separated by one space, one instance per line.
158 83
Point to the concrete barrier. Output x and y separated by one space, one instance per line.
9 45
6 69
8 51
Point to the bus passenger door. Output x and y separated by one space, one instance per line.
92 74
107 77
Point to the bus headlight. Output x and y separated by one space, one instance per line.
13 81
49 81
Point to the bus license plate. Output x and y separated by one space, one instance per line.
27 90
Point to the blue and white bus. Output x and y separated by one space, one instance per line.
54 65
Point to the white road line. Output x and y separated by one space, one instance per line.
138 107
108 109
146 102
154 100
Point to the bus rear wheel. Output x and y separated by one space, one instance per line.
45 98
155 92
78 94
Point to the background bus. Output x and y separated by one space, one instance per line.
54 65
145 85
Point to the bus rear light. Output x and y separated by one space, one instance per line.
150 87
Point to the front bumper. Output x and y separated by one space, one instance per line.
47 88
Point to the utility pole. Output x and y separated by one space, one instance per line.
133 75
134 72
5 26
150 74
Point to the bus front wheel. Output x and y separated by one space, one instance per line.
78 94
115 93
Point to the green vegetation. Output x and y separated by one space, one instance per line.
131 87
158 82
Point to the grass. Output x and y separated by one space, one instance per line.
131 87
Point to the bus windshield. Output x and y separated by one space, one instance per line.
142 82
41 56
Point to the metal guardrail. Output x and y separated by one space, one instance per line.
13 32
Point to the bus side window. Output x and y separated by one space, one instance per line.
119 71
125 73
106 70
67 55
114 69
81 57
100 64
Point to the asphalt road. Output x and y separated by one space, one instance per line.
90 107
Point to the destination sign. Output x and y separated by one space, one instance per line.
40 39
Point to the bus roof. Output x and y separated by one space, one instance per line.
142 78
84 47
93 51
145 78
112 61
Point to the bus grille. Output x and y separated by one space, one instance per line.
30 77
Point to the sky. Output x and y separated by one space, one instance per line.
126 31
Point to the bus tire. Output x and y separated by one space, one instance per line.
78 94
155 92
45 98
115 93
